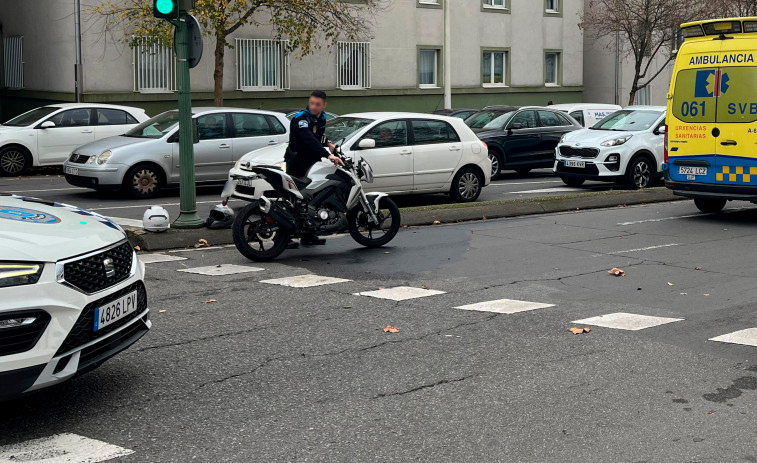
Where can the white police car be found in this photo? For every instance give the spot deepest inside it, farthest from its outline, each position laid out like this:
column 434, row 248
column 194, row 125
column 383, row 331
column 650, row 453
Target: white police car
column 71, row 293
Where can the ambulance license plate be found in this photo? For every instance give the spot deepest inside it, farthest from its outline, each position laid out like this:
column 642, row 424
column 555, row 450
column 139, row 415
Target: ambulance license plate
column 687, row 170
column 578, row 164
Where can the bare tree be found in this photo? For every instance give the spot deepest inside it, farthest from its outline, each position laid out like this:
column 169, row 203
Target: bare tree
column 648, row 27
column 733, row 8
column 308, row 25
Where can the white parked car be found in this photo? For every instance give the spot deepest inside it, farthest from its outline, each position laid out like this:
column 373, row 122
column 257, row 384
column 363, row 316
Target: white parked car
column 587, row 114
column 46, row 136
column 71, row 293
column 413, row 153
column 145, row 159
column 626, row 147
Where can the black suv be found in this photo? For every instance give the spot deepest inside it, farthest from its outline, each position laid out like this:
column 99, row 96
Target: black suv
column 524, row 138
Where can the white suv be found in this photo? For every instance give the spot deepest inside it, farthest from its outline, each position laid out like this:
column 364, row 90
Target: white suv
column 626, row 147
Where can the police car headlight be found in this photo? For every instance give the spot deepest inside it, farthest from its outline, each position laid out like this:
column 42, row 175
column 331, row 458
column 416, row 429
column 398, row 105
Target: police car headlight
column 18, row 273
column 281, row 165
column 103, row 158
column 616, row 141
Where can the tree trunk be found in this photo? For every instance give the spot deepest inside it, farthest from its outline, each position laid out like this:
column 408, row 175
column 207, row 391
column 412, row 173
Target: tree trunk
column 632, row 96
column 218, row 69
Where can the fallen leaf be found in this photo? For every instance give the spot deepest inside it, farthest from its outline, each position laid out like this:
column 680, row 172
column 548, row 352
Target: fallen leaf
column 483, row 218
column 436, row 222
column 209, row 301
column 161, row 311
column 706, row 294
column 575, row 330
column 684, row 294
column 617, row 272
column 387, row 252
column 381, row 287
column 709, row 412
column 670, row 284
column 137, row 248
column 391, row 329
column 424, row 287
column 202, row 243
column 347, row 306
column 698, row 268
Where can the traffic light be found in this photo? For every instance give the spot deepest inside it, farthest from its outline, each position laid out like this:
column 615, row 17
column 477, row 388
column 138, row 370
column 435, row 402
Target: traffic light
column 166, row 9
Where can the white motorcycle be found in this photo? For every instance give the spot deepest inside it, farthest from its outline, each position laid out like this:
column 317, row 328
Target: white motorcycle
column 331, row 200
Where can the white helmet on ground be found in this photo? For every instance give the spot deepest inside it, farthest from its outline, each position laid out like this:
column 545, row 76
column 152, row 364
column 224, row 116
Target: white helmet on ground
column 156, row 219
column 221, row 216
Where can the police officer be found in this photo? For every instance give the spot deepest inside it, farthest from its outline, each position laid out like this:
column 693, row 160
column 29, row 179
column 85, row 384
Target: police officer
column 307, row 139
column 306, row 143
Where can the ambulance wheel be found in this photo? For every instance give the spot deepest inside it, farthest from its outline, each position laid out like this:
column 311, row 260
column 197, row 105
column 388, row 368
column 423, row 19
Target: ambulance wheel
column 710, row 206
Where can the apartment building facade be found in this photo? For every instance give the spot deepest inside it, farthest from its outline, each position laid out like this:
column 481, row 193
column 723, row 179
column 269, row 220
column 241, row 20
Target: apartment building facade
column 502, row 52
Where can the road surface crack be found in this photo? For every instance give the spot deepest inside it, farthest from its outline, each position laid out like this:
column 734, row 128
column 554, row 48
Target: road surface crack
column 425, row 386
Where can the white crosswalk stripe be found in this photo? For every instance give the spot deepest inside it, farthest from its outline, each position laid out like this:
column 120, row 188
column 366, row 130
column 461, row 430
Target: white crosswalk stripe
column 158, row 257
column 505, row 306
column 129, row 223
column 400, row 293
column 305, row 281
column 747, row 337
column 61, row 448
column 221, row 270
column 626, row 321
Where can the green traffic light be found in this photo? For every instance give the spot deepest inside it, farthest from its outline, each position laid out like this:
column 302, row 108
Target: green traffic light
column 165, row 6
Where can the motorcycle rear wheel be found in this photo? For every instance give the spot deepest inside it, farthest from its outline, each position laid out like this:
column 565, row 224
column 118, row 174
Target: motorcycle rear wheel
column 368, row 233
column 253, row 236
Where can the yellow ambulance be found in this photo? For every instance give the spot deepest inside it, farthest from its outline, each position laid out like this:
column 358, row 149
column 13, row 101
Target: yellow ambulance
column 711, row 146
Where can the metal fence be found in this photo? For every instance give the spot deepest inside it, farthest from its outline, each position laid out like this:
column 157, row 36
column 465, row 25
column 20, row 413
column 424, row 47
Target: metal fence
column 353, row 65
column 13, row 62
column 262, row 64
column 154, row 66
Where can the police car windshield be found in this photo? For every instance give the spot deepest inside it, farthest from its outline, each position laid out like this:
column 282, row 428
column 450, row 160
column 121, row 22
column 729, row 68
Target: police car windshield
column 155, row 127
column 628, row 121
column 342, row 128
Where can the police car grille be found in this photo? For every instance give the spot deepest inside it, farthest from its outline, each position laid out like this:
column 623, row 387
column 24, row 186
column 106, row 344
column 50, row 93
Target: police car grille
column 88, row 274
column 22, row 338
column 83, row 330
column 571, row 152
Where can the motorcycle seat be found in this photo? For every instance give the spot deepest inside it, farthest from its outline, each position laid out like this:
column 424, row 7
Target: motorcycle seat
column 301, row 182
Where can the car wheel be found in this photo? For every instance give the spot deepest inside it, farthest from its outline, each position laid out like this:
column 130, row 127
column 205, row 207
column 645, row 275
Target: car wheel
column 708, row 205
column 14, row 161
column 466, row 185
column 570, row 181
column 639, row 173
column 143, row 181
column 522, row 171
column 496, row 160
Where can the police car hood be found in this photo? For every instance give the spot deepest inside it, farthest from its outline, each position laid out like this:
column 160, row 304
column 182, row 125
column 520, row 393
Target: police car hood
column 40, row 231
column 591, row 137
column 267, row 156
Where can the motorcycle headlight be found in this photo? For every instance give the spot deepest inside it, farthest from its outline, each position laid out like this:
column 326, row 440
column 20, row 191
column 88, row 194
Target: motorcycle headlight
column 18, row 273
column 103, row 157
column 616, row 141
column 281, row 165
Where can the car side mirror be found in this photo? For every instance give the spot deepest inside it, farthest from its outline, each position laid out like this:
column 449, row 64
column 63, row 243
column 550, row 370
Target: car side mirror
column 367, row 144
column 47, row 125
column 660, row 130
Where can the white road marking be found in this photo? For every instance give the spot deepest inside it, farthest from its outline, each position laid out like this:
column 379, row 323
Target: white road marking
column 209, row 248
column 61, row 448
column 124, row 222
column 43, row 191
column 565, row 189
column 223, row 269
column 626, row 321
column 145, row 206
column 747, row 337
column 524, row 183
column 305, row 281
column 648, row 248
column 507, row 306
column 158, row 257
column 400, row 293
column 661, row 219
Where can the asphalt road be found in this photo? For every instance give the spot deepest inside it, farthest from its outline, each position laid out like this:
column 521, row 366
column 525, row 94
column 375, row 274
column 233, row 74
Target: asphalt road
column 50, row 184
column 273, row 373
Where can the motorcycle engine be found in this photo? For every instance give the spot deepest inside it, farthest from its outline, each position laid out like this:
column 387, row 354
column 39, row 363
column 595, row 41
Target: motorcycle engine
column 327, row 219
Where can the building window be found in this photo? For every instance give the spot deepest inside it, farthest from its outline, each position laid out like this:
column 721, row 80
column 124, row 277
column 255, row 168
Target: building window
column 13, row 62
column 353, row 65
column 154, row 66
column 552, row 68
column 643, row 97
column 428, row 68
column 552, row 6
column 262, row 64
column 500, row 4
column 430, row 3
column 494, row 68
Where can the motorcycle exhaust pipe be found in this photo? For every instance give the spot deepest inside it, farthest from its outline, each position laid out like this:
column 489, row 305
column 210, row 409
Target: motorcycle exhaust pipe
column 274, row 212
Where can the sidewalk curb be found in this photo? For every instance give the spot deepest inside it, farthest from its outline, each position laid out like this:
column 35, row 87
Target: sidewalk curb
column 428, row 215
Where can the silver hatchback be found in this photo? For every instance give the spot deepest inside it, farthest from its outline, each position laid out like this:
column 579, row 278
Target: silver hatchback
column 146, row 158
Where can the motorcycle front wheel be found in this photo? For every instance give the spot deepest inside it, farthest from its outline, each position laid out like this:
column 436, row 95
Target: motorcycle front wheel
column 369, row 234
column 257, row 236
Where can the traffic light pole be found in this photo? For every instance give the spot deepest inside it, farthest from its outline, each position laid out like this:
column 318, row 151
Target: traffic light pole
column 188, row 217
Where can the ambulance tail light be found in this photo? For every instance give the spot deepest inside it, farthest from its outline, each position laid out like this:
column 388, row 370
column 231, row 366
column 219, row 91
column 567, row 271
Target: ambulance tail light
column 665, row 145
